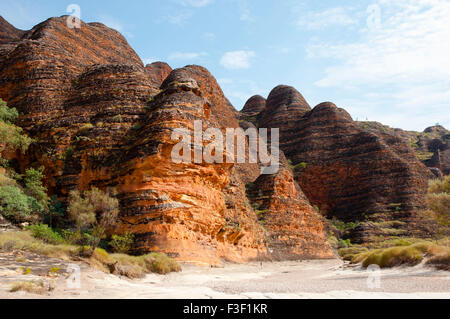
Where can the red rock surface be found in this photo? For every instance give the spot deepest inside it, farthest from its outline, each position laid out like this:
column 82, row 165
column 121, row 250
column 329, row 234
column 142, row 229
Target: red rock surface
column 432, row 146
column 254, row 106
column 283, row 107
column 101, row 119
column 350, row 173
column 158, row 72
column 9, row 33
column 292, row 227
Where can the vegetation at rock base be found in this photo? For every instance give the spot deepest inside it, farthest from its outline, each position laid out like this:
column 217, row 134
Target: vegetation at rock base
column 100, row 259
column 93, row 209
column 24, row 198
column 122, row 244
column 46, row 234
column 20, row 196
column 438, row 200
column 406, row 255
column 32, row 287
column 396, row 251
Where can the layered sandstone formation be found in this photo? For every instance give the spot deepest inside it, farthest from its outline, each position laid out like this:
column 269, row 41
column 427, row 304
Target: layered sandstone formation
column 254, row 106
column 9, row 33
column 350, row 173
column 431, row 146
column 292, row 227
column 158, row 72
column 100, row 118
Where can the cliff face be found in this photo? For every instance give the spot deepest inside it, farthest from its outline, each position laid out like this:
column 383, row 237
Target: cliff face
column 100, row 118
column 350, row 173
column 158, row 72
column 194, row 212
column 293, row 228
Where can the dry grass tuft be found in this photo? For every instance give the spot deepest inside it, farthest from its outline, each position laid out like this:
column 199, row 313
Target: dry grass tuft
column 124, row 265
column 31, row 287
column 439, row 255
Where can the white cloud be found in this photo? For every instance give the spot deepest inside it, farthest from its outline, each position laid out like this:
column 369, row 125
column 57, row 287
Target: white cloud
column 239, row 90
column 179, row 18
column 406, row 57
column 235, row 60
column 332, row 17
column 195, row 3
column 186, row 55
column 244, row 11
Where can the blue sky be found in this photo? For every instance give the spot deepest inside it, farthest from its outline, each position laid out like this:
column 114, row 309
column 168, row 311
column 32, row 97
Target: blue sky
column 381, row 60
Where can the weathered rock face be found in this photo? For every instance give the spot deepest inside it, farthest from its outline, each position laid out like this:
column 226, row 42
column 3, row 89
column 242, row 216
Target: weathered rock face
column 101, row 119
column 350, row 173
column 181, row 209
column 254, row 106
column 158, row 72
column 284, row 105
column 9, row 33
column 292, row 227
column 80, row 90
column 432, row 146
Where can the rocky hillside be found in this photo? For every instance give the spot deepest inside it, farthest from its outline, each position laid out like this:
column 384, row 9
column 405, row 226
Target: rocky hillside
column 353, row 172
column 431, row 146
column 100, row 118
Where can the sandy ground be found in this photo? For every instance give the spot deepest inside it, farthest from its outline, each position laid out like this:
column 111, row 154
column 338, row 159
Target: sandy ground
column 308, row 279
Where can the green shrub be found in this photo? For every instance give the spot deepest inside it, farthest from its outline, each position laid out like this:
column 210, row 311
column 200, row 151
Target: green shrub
column 350, row 252
column 394, row 256
column 11, row 136
column 403, row 255
column 35, row 189
column 122, row 244
column 95, row 210
column 438, row 200
column 46, row 234
column 344, row 243
column 77, row 238
column 14, row 204
column 301, row 166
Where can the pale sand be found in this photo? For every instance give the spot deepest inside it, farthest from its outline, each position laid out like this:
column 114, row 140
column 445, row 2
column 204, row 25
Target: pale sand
column 322, row 279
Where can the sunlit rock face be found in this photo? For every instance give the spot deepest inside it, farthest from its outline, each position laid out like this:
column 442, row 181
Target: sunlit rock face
column 293, row 228
column 100, row 118
column 158, row 72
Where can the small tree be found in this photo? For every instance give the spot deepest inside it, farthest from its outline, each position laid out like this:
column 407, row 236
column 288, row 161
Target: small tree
column 36, row 190
column 93, row 209
column 11, row 136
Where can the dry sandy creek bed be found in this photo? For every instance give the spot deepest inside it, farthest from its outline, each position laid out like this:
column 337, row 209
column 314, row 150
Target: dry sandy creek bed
column 306, row 279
